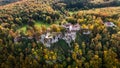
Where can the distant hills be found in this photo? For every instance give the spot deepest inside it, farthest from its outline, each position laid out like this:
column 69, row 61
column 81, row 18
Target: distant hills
column 73, row 3
column 3, row 2
column 90, row 3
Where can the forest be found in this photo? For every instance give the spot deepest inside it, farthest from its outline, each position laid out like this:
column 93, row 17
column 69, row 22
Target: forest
column 60, row 34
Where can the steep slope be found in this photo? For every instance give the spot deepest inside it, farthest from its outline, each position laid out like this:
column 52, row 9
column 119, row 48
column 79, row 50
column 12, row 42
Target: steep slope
column 106, row 11
column 22, row 11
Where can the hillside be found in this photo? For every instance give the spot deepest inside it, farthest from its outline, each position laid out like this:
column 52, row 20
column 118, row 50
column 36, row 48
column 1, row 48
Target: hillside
column 73, row 3
column 21, row 11
column 60, row 34
column 106, row 11
column 90, row 3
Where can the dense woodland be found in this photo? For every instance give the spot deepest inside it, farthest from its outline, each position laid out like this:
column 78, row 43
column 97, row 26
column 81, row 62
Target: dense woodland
column 98, row 49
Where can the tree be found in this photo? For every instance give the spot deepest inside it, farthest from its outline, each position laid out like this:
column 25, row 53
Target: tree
column 71, row 20
column 11, row 61
column 110, row 59
column 43, row 27
column 31, row 22
column 1, row 41
column 95, row 62
column 48, row 20
column 55, row 28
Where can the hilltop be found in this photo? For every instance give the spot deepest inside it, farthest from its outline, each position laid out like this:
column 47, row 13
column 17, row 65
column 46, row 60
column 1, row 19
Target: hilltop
column 4, row 2
column 72, row 3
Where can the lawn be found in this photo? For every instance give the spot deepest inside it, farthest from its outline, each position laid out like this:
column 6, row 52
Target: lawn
column 72, row 12
column 40, row 23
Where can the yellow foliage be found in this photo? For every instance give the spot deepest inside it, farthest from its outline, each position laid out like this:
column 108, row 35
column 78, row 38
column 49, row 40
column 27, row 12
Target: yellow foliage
column 55, row 28
column 80, row 52
column 105, row 53
column 91, row 27
column 74, row 55
column 80, row 21
column 46, row 57
column 29, row 33
column 54, row 57
column 96, row 56
column 43, row 28
column 45, row 50
column 1, row 27
column 84, row 26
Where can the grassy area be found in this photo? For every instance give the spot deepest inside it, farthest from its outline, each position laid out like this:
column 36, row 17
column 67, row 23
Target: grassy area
column 38, row 24
column 22, row 28
column 72, row 12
